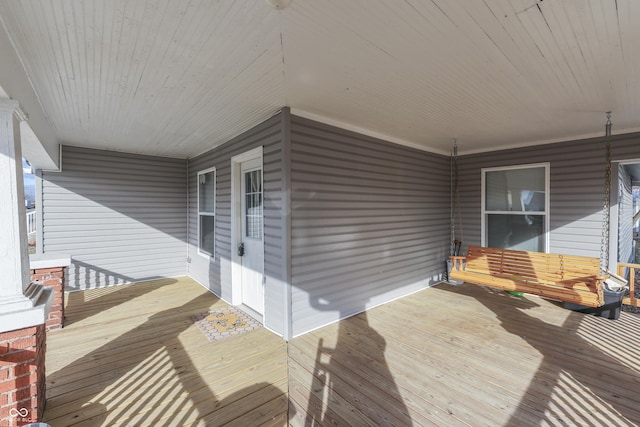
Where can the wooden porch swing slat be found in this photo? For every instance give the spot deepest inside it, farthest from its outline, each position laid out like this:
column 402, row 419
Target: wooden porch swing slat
column 573, row 279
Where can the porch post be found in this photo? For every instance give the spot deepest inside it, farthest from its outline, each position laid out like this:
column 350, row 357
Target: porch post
column 16, row 290
column 23, row 306
column 13, row 253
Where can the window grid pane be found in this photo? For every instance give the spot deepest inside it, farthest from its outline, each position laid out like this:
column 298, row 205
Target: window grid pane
column 206, row 212
column 515, row 190
column 207, row 234
column 206, row 192
column 515, row 210
column 519, row 232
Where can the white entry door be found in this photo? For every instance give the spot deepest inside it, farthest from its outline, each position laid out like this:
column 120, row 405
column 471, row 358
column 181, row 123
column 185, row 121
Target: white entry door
column 252, row 240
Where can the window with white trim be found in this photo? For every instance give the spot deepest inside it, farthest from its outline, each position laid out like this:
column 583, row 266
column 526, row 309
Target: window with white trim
column 207, row 212
column 515, row 207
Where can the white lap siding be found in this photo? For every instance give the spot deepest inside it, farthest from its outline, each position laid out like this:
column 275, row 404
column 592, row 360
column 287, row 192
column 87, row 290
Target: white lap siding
column 215, row 273
column 370, row 222
column 121, row 217
column 577, row 170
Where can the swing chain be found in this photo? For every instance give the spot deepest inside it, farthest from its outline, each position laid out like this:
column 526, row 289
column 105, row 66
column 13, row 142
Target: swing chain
column 604, row 244
column 456, row 213
column 451, row 203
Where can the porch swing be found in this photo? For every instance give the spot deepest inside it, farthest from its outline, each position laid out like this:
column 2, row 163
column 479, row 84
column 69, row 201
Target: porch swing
column 572, row 279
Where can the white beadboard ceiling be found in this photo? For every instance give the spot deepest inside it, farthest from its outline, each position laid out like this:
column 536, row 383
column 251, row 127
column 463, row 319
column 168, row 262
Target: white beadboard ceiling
column 175, row 77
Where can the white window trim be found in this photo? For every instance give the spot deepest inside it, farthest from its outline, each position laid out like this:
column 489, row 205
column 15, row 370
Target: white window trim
column 546, row 213
column 213, row 214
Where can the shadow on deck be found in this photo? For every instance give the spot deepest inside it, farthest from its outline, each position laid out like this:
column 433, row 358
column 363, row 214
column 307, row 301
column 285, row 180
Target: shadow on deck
column 448, row 355
column 468, row 355
column 131, row 356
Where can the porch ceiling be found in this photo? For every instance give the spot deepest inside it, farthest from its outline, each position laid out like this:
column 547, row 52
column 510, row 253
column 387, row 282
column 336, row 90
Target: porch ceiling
column 175, row 77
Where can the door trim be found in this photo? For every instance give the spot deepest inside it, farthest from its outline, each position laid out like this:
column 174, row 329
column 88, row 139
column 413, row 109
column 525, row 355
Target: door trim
column 236, row 226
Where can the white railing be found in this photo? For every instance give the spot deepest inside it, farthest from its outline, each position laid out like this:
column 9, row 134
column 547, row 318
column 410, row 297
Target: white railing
column 632, row 298
column 31, row 222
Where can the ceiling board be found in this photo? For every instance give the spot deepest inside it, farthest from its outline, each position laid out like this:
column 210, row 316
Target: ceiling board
column 175, row 78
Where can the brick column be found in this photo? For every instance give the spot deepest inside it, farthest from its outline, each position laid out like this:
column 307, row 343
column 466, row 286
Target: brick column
column 22, row 375
column 53, row 278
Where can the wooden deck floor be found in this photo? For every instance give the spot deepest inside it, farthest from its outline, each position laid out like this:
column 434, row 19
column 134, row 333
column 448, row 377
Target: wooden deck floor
column 131, row 356
column 467, row 355
column 449, row 355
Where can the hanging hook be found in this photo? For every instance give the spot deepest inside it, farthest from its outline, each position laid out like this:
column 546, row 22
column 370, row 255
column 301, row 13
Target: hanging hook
column 455, row 147
column 607, row 127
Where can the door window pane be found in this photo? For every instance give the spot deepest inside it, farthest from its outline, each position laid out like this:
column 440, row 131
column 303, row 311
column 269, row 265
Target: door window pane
column 253, row 204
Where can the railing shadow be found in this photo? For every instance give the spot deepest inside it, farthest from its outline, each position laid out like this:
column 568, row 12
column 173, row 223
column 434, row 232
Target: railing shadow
column 594, row 374
column 84, row 273
column 352, row 383
column 147, row 356
column 75, row 300
column 633, row 299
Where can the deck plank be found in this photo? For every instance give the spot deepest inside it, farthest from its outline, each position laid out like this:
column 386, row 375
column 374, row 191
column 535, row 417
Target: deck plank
column 445, row 356
column 132, row 356
column 470, row 355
